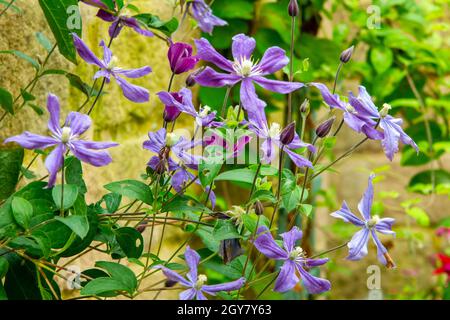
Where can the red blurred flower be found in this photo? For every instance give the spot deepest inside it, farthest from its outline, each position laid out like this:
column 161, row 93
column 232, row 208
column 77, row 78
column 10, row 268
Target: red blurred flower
column 445, row 265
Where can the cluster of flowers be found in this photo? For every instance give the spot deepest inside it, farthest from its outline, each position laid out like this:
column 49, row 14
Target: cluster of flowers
column 173, row 153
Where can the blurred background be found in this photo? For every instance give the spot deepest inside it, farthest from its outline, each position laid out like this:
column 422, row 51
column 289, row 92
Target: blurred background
column 401, row 56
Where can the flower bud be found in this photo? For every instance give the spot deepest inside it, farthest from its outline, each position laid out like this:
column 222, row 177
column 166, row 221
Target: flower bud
column 304, row 108
column 229, row 249
column 325, row 127
column 346, row 54
column 259, row 208
column 169, row 283
column 293, row 8
column 181, row 58
column 288, row 134
column 190, row 80
column 141, row 227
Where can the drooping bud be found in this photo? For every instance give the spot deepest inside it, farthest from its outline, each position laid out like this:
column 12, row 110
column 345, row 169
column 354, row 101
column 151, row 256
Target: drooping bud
column 190, row 80
column 288, row 134
column 170, row 283
column 259, row 208
column 293, row 8
column 304, row 108
column 346, row 54
column 171, row 112
column 230, row 249
column 325, row 127
column 141, row 227
column 385, row 110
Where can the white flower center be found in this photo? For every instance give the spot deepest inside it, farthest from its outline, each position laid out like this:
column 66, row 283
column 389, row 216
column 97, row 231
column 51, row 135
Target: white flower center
column 66, row 134
column 201, row 280
column 172, row 139
column 246, row 67
column 372, row 222
column 385, row 110
column 204, row 112
column 113, row 63
column 236, row 214
column 275, row 130
column 350, row 108
column 298, row 252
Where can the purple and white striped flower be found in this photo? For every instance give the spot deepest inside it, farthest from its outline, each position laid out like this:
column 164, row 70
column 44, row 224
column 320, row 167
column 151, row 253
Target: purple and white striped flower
column 369, row 225
column 392, row 127
column 203, row 118
column 117, row 19
column 67, row 137
column 108, row 69
column 295, row 261
column 203, row 14
column 244, row 70
column 196, row 283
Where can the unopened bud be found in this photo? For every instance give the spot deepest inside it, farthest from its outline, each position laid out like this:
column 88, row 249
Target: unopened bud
column 259, row 208
column 141, row 227
column 293, row 8
column 190, row 80
column 304, row 108
column 346, row 54
column 288, row 134
column 170, row 283
column 325, row 127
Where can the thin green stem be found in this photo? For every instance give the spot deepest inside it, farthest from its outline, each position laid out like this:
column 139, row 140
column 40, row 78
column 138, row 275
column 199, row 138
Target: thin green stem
column 61, row 212
column 280, row 167
column 7, row 7
column 267, row 286
column 225, row 101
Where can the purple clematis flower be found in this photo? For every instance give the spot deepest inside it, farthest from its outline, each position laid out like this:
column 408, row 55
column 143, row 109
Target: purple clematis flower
column 65, row 138
column 204, row 118
column 202, row 13
column 118, row 21
column 196, row 282
column 180, row 58
column 392, row 127
column 294, row 259
column 171, row 112
column 355, row 117
column 107, row 70
column 369, row 225
column 244, row 70
column 271, row 138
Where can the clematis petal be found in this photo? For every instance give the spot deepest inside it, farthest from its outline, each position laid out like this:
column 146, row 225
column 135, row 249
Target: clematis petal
column 290, row 238
column 133, row 73
column 133, row 92
column 134, row 24
column 228, row 286
column 85, row 53
column 180, row 179
column 365, row 204
column 250, row 101
column 242, row 47
column 54, row 162
column 309, row 263
column 345, row 214
column 287, row 277
column 314, row 285
column 211, row 78
column 105, row 16
column 188, row 294
column 102, row 73
column 381, row 250
column 174, row 276
column 192, row 260
column 330, row 99
column 115, row 28
column 96, row 158
column 297, row 143
column 358, row 245
column 157, row 140
column 298, row 160
column 96, row 3
column 385, row 226
column 277, row 85
column 53, row 108
column 273, row 60
column 266, row 245
column 96, row 145
column 107, row 54
column 268, row 150
column 206, row 52
column 30, row 140
column 202, row 13
column 364, row 104
column 200, row 295
column 78, row 122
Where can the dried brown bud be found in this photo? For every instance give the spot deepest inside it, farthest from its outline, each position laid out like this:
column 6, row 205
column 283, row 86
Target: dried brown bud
column 288, row 134
column 229, row 249
column 293, row 8
column 325, row 127
column 346, row 54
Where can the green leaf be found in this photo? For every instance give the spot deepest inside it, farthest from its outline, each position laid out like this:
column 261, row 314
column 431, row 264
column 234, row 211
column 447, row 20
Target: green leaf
column 102, row 286
column 239, row 9
column 291, row 200
column 20, row 281
column 22, row 211
column 305, row 209
column 112, row 201
column 381, row 58
column 78, row 224
column 44, row 41
column 154, row 22
column 225, row 229
column 237, row 175
column 76, row 82
column 39, row 111
column 120, row 273
column 59, row 17
column 263, row 195
column 131, row 241
column 419, row 215
column 23, row 56
column 251, row 220
column 132, row 189
column 10, row 164
column 74, row 174
column 70, row 195
column 6, row 101
column 208, row 171
column 4, row 264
